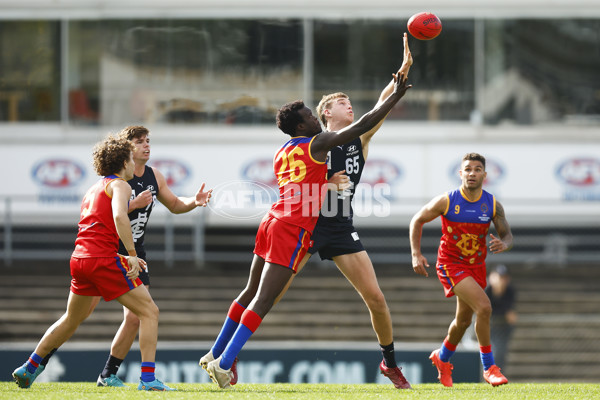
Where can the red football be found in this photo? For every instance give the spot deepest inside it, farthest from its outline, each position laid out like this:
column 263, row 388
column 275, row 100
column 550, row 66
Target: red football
column 424, row 26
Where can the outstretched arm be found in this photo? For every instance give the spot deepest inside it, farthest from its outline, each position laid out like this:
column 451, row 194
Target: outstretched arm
column 406, row 64
column 505, row 242
column 429, row 212
column 327, row 140
column 179, row 205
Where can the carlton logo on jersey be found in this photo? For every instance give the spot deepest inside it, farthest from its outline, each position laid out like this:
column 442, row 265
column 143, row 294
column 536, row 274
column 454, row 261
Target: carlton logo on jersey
column 58, row 173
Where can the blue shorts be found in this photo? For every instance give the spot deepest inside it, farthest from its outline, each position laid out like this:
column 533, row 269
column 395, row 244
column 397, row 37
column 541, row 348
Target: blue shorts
column 334, row 239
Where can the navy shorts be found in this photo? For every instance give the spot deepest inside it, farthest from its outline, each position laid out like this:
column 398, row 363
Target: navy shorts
column 144, row 276
column 335, row 239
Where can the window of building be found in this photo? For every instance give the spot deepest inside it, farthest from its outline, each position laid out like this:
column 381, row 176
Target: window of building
column 30, row 71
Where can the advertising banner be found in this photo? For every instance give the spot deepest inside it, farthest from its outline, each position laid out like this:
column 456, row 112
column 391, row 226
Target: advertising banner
column 336, row 362
column 531, row 179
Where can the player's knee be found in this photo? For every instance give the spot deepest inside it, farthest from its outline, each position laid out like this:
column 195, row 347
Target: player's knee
column 150, row 311
column 132, row 320
column 155, row 312
column 462, row 323
column 72, row 321
column 485, row 310
column 376, row 303
column 246, row 296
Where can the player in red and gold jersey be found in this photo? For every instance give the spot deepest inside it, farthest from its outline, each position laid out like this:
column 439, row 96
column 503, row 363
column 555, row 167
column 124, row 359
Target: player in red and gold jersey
column 284, row 234
column 466, row 217
column 97, row 269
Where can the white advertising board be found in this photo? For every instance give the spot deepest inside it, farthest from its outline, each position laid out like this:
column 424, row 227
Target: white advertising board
column 535, row 181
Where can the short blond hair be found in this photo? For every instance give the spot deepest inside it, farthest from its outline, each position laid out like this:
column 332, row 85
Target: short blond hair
column 325, row 104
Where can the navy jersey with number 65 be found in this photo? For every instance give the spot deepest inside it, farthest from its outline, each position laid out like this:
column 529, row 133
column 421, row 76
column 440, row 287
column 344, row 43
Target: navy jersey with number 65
column 348, row 157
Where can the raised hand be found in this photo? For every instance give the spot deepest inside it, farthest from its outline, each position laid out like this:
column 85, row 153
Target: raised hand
column 202, row 197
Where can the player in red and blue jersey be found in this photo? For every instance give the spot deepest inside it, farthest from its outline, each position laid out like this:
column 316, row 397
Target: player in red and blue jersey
column 284, row 233
column 335, row 237
column 98, row 270
column 466, row 217
column 147, row 185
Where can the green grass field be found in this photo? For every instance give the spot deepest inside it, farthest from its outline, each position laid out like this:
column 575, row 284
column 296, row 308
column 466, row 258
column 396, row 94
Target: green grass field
column 463, row 391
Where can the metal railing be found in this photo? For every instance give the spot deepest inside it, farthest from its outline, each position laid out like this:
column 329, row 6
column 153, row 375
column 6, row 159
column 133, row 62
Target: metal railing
column 52, row 239
column 193, row 239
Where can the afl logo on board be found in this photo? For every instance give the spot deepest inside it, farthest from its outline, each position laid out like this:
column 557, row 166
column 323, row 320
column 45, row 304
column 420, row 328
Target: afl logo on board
column 58, row 173
column 260, row 171
column 175, row 172
column 581, row 172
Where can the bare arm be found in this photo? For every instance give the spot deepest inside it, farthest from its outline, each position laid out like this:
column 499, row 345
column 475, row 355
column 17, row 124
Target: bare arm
column 428, row 213
column 121, row 192
column 327, row 140
column 406, row 64
column 179, row 205
column 505, row 242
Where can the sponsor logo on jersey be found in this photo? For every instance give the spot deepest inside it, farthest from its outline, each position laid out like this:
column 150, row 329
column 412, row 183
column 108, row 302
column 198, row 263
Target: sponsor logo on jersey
column 174, row 171
column 58, row 173
column 580, row 172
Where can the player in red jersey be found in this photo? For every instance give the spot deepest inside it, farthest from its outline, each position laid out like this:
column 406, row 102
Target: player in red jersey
column 284, row 234
column 334, row 236
column 147, row 185
column 466, row 217
column 97, row 269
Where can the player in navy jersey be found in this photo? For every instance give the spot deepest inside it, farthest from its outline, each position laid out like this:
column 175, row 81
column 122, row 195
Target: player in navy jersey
column 147, row 184
column 335, row 237
column 467, row 213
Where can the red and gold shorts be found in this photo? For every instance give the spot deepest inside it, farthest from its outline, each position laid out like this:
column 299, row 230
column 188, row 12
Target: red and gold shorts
column 281, row 243
column 451, row 274
column 102, row 276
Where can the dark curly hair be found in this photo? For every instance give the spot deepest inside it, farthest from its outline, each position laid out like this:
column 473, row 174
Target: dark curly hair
column 288, row 117
column 474, row 157
column 133, row 132
column 111, row 154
